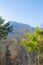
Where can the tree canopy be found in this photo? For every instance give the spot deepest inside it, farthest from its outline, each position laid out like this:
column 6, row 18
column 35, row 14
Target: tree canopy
column 34, row 42
column 5, row 28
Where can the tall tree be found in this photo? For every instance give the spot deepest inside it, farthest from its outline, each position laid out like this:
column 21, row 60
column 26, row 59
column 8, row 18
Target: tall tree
column 5, row 28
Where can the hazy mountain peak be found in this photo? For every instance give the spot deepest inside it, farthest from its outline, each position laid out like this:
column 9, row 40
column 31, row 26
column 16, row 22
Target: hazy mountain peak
column 20, row 29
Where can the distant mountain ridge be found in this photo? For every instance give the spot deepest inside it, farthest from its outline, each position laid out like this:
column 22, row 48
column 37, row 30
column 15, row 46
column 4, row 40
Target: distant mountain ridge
column 20, row 29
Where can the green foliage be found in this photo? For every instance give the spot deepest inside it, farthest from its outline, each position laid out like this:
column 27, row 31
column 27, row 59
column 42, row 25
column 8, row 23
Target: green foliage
column 5, row 28
column 33, row 43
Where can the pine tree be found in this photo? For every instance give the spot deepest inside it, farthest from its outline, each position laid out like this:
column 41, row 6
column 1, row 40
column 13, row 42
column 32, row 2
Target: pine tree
column 5, row 28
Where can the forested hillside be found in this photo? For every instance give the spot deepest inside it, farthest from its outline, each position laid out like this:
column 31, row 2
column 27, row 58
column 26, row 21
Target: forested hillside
column 20, row 44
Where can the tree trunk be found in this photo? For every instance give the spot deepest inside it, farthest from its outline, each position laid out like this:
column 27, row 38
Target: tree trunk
column 38, row 58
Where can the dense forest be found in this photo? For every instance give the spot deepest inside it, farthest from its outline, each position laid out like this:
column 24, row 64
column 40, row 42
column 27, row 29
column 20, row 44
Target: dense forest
column 27, row 50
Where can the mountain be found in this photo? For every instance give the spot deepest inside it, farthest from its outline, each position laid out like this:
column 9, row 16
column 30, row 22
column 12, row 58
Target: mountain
column 20, row 29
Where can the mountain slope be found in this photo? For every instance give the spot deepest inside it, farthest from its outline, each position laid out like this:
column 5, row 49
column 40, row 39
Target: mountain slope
column 20, row 29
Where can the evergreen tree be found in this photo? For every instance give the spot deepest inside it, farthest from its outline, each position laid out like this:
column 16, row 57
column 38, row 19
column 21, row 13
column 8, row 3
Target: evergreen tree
column 5, row 28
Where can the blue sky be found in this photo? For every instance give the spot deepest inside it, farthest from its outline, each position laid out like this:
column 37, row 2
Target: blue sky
column 25, row 11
